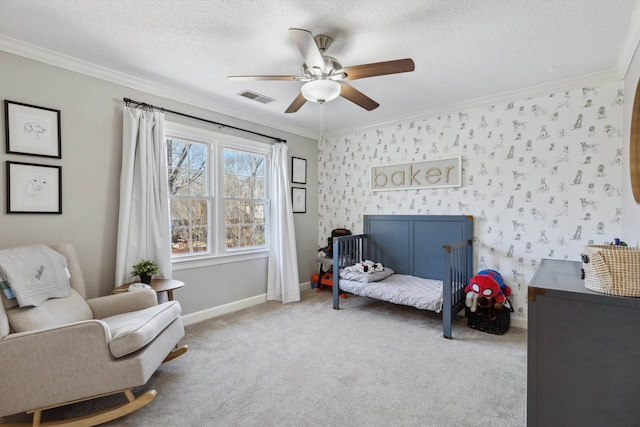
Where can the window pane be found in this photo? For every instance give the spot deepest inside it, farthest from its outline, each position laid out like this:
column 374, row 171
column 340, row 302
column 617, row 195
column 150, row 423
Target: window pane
column 258, row 186
column 200, row 240
column 179, row 240
column 247, row 212
column 230, row 185
column 189, row 226
column 230, row 162
column 176, row 153
column 178, row 181
column 259, row 166
column 200, row 213
column 232, row 213
column 197, row 183
column 233, row 237
column 244, row 189
column 246, row 236
column 259, row 209
column 197, row 157
column 244, row 164
column 260, row 235
column 180, row 213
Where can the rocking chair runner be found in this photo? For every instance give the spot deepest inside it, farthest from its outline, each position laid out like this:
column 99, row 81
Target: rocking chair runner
column 70, row 349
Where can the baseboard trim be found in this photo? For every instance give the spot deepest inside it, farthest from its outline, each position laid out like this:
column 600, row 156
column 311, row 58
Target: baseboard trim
column 210, row 313
column 519, row 322
column 304, row 286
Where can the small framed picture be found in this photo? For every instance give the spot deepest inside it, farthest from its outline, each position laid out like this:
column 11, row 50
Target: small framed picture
column 299, row 200
column 298, row 170
column 32, row 130
column 34, row 188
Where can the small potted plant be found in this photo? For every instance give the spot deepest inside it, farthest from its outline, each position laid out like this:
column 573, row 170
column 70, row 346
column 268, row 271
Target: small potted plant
column 145, row 269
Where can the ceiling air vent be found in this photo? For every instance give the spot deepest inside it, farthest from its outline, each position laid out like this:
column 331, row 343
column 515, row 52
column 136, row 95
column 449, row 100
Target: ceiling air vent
column 256, row 97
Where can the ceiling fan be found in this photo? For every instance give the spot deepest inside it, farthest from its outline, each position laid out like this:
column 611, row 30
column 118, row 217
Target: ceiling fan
column 324, row 75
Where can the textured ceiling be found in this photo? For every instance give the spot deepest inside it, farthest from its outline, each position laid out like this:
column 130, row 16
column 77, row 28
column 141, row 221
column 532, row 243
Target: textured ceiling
column 464, row 50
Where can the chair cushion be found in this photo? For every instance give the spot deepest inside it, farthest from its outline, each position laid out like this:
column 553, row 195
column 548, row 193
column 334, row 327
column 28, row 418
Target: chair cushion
column 132, row 331
column 53, row 312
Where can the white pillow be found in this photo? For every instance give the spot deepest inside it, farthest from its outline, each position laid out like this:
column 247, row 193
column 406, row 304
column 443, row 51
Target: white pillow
column 365, row 277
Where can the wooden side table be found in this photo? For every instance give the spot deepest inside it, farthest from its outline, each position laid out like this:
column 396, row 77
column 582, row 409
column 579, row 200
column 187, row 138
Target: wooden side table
column 158, row 285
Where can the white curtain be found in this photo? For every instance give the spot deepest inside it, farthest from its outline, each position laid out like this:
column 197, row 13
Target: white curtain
column 143, row 226
column 283, row 283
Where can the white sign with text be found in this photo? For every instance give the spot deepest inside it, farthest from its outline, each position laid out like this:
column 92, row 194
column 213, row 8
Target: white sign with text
column 436, row 173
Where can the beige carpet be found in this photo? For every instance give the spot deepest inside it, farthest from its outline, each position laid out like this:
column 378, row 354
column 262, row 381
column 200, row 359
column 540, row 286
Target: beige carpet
column 305, row 364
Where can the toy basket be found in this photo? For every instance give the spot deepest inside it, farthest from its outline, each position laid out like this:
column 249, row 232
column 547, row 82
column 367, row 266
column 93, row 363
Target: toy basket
column 482, row 320
column 612, row 269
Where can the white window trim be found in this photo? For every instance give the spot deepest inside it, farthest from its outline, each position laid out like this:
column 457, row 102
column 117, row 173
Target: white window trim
column 187, row 263
column 219, row 142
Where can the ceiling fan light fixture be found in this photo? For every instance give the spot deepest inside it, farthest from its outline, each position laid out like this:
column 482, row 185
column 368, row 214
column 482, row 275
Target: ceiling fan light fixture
column 321, row 91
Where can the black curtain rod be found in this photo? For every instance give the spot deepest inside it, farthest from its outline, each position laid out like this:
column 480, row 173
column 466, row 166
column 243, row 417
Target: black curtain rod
column 164, row 110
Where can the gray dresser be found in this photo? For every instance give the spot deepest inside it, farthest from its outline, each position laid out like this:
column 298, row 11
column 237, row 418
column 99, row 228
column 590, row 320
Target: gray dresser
column 583, row 366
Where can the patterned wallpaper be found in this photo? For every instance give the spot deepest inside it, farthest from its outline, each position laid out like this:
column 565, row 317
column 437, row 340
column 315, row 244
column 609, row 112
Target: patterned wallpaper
column 541, row 176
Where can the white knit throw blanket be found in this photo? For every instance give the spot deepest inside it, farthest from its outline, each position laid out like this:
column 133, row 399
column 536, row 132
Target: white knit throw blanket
column 35, row 273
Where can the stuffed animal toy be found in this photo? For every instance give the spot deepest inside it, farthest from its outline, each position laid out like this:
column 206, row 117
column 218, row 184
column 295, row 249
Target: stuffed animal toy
column 488, row 284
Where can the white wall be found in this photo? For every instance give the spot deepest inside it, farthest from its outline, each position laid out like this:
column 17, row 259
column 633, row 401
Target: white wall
column 541, row 176
column 91, row 126
column 630, row 208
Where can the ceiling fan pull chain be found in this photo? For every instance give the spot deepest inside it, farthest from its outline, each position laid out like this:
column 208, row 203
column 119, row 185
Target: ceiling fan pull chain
column 321, row 123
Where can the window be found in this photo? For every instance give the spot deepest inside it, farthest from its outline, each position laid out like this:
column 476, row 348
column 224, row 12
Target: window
column 244, row 199
column 189, row 196
column 218, row 193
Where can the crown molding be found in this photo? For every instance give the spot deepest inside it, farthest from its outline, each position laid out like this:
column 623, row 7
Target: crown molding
column 630, row 43
column 530, row 92
column 56, row 59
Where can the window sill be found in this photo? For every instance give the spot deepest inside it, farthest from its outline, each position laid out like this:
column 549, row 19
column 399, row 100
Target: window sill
column 209, row 260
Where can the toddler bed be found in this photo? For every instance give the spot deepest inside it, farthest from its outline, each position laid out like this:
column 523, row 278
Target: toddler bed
column 427, row 259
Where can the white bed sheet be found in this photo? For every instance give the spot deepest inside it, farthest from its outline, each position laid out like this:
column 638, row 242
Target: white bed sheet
column 425, row 294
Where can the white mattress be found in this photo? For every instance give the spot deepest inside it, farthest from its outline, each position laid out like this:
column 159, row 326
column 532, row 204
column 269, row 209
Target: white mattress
column 425, row 294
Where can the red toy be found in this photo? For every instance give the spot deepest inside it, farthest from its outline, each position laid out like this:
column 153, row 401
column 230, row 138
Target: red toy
column 489, row 284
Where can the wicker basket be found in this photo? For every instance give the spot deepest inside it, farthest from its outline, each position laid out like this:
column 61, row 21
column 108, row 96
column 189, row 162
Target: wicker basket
column 612, row 269
column 480, row 319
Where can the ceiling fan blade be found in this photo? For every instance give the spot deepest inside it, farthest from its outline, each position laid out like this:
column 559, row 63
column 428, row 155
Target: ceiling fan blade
column 296, row 104
column 254, row 78
column 307, row 46
column 357, row 97
column 378, row 69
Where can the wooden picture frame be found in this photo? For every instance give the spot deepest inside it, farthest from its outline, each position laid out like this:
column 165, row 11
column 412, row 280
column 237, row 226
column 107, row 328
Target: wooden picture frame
column 299, row 199
column 33, row 188
column 32, row 130
column 298, row 170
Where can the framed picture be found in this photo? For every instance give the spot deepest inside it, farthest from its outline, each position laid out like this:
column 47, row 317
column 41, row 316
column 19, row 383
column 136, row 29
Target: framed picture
column 298, row 170
column 34, row 188
column 299, row 200
column 32, row 130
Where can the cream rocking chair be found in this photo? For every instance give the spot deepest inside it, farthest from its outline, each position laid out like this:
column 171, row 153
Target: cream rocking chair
column 71, row 349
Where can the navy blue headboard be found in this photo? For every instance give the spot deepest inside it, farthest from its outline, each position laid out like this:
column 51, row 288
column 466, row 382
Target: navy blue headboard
column 412, row 244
